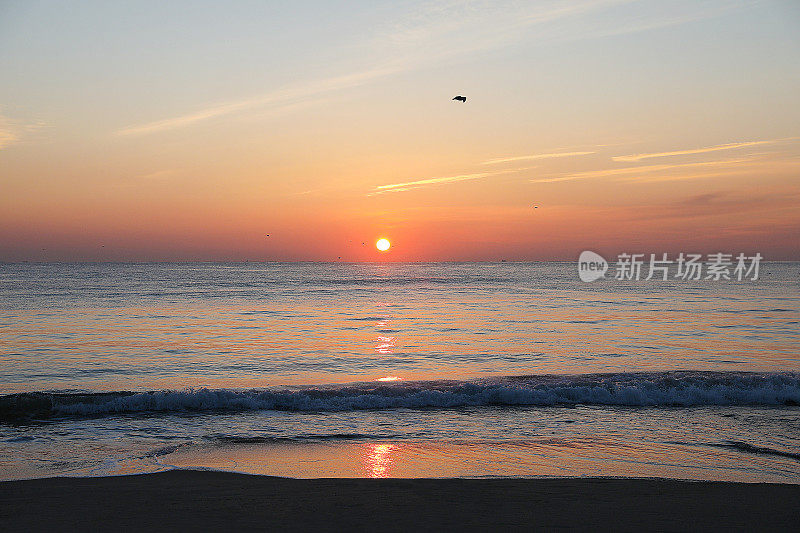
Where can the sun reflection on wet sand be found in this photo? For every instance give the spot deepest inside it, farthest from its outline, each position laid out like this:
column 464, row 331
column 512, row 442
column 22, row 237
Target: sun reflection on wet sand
column 378, row 460
column 545, row 456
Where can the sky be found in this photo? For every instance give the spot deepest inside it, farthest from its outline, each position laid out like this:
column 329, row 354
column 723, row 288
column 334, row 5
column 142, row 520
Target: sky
column 190, row 130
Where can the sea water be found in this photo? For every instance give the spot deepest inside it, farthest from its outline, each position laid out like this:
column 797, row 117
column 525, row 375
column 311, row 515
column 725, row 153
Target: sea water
column 404, row 370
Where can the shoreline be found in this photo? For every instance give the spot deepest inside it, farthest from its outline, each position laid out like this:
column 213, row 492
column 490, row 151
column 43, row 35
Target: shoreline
column 215, row 500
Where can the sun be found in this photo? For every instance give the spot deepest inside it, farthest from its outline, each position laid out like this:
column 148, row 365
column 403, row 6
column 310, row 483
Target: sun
column 383, row 244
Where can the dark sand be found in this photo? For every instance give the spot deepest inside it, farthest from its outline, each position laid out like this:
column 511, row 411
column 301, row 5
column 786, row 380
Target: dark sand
column 184, row 500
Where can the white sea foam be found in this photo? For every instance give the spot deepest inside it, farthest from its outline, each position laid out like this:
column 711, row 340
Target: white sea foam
column 634, row 390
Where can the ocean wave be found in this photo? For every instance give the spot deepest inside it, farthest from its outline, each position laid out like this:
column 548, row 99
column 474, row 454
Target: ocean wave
column 668, row 389
column 263, row 439
column 760, row 450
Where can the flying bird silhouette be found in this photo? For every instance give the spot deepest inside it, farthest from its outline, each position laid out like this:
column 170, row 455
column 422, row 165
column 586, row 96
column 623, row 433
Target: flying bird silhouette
column 460, row 98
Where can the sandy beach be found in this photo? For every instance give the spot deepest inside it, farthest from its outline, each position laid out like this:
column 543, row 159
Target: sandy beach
column 204, row 500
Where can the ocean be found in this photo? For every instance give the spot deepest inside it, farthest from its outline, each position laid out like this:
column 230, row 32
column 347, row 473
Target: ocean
column 397, row 370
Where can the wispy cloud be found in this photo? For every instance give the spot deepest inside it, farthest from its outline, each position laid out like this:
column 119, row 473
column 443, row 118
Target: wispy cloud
column 715, row 204
column 713, row 172
column 287, row 96
column 435, row 181
column 442, row 30
column 641, row 170
column 432, row 33
column 7, row 135
column 716, row 148
column 534, row 156
column 12, row 131
column 159, row 174
column 408, row 185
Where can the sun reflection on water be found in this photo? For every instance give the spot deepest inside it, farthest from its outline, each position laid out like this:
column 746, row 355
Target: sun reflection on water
column 385, row 345
column 378, row 460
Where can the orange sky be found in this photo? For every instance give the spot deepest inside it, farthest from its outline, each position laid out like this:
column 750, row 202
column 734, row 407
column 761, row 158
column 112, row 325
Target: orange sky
column 633, row 127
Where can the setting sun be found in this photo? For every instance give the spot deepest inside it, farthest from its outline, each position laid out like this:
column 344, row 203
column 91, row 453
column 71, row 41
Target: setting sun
column 383, row 244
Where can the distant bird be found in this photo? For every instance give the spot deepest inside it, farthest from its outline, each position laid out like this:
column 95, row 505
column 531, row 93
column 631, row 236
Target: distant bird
column 460, row 98
column 536, row 207
column 267, row 234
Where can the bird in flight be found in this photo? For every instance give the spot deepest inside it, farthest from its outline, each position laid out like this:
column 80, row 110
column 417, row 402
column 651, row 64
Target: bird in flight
column 460, row 98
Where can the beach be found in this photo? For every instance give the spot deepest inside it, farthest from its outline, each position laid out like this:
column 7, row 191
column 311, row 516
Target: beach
column 207, row 501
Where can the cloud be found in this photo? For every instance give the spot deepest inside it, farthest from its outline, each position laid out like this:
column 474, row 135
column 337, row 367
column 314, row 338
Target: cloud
column 435, row 181
column 716, row 204
column 7, row 135
column 12, row 131
column 716, row 148
column 643, row 169
column 534, row 156
column 288, row 96
column 435, row 32
column 159, row 174
column 727, row 172
column 406, row 186
column 443, row 30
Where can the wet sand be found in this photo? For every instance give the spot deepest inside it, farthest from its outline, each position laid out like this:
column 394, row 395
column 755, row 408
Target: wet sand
column 205, row 501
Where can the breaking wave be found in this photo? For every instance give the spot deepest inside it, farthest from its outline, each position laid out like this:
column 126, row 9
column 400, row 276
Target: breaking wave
column 668, row 389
